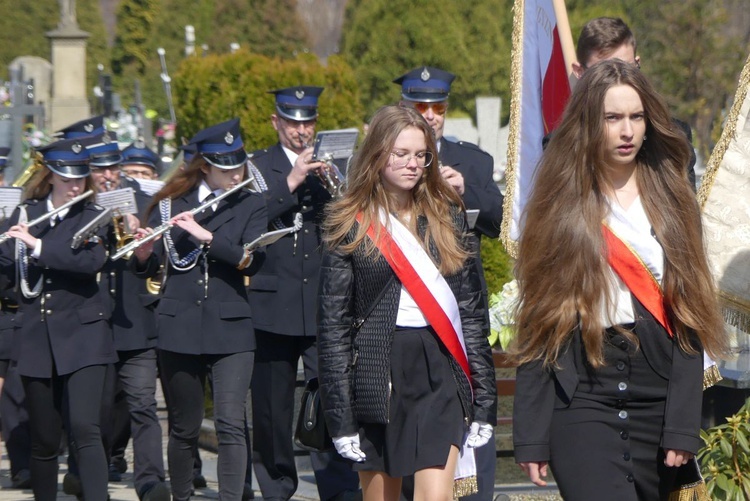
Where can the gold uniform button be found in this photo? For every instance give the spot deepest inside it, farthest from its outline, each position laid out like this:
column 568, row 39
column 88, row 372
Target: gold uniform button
column 47, row 296
column 200, row 281
column 48, row 312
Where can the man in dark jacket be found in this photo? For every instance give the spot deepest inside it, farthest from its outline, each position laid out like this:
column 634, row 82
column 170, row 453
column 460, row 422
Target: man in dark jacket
column 283, row 296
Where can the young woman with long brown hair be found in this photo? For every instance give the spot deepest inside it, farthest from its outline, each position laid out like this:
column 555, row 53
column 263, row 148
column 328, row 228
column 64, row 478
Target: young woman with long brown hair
column 404, row 367
column 617, row 303
column 204, row 321
column 64, row 341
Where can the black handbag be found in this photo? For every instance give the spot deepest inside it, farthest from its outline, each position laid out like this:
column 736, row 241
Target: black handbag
column 312, row 433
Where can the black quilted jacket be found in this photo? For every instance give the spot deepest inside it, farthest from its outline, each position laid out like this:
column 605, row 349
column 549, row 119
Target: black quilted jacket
column 354, row 367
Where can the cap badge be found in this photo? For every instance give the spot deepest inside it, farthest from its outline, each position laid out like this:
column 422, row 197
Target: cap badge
column 88, row 127
column 77, row 148
column 425, row 75
column 140, row 144
column 299, row 94
column 229, row 138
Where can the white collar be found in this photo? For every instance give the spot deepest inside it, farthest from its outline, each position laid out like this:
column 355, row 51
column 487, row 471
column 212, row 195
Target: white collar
column 204, row 191
column 60, row 215
column 292, row 156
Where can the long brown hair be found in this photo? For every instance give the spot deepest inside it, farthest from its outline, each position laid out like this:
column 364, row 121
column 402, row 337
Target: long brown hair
column 431, row 197
column 562, row 269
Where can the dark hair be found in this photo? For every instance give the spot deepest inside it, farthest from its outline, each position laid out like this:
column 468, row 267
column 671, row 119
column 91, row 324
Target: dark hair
column 603, row 35
column 561, row 268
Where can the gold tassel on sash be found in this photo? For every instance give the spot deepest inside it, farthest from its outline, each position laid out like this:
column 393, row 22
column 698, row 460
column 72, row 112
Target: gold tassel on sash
column 465, row 487
column 691, row 492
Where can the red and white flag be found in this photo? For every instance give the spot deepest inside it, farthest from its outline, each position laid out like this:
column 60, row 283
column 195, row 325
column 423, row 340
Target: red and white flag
column 542, row 60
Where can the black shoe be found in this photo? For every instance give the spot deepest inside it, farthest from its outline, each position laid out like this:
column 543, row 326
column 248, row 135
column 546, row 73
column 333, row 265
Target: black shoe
column 199, row 481
column 21, row 480
column 247, row 492
column 114, row 473
column 157, row 492
column 72, row 485
column 120, row 463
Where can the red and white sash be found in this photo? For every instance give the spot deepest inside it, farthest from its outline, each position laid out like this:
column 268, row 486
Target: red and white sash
column 423, row 281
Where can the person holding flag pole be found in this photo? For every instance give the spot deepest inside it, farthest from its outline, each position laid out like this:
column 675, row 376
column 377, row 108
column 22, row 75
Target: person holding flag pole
column 406, row 373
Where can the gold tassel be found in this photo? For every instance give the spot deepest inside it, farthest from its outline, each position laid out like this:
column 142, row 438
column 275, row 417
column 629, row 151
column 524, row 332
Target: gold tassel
column 465, row 487
column 711, row 376
column 691, row 492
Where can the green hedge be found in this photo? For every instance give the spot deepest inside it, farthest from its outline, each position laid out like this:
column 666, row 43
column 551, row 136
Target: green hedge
column 498, row 265
column 214, row 88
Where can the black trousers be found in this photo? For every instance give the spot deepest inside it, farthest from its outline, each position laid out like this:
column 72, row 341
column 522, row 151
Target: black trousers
column 185, row 376
column 82, row 390
column 136, row 382
column 15, row 422
column 276, row 359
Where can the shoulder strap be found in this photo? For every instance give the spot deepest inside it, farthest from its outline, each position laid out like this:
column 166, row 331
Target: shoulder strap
column 361, row 320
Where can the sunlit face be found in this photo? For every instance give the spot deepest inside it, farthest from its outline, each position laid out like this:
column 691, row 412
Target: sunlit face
column 65, row 189
column 106, row 178
column 433, row 113
column 294, row 135
column 137, row 171
column 222, row 179
column 409, row 147
column 624, row 125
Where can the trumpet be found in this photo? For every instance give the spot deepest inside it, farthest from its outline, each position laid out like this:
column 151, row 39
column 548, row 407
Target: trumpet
column 48, row 215
column 163, row 228
column 331, row 176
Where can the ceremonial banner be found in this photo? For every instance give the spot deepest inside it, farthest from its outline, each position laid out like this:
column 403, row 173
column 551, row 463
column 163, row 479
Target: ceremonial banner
column 541, row 69
column 724, row 196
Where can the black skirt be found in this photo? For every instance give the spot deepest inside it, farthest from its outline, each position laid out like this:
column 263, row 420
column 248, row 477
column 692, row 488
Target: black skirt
column 425, row 413
column 606, row 443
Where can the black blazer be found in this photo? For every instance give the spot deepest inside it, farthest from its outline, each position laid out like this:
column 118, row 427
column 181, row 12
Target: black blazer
column 284, row 292
column 66, row 327
column 133, row 321
column 539, row 391
column 201, row 313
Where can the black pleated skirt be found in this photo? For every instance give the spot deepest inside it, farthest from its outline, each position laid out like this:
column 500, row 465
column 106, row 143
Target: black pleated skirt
column 606, row 444
column 425, row 413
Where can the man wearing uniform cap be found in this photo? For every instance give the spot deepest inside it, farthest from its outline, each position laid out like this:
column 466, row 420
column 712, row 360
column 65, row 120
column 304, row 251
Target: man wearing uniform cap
column 139, row 161
column 283, row 295
column 469, row 170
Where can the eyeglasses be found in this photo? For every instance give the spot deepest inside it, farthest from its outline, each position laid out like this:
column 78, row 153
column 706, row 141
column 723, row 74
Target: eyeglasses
column 437, row 108
column 401, row 159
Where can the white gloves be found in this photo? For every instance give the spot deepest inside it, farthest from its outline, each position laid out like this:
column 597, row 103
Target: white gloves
column 348, row 447
column 479, row 434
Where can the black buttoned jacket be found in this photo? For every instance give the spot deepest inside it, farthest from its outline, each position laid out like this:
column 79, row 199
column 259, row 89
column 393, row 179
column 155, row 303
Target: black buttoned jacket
column 201, row 313
column 66, row 327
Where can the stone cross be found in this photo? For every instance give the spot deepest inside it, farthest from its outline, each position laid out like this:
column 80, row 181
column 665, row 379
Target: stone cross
column 68, row 14
column 18, row 114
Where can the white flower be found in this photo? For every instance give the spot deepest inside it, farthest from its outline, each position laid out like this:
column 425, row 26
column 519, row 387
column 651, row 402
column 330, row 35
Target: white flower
column 502, row 308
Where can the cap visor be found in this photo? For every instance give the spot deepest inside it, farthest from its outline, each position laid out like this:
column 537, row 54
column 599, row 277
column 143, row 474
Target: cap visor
column 227, row 161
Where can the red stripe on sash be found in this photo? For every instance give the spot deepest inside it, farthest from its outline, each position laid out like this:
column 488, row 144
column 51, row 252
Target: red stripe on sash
column 420, row 293
column 636, row 276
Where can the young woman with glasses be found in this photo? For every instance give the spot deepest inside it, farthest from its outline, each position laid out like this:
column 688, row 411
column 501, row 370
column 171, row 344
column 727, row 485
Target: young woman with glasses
column 403, row 364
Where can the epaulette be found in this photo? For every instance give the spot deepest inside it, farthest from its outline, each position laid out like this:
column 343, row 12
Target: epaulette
column 258, row 153
column 474, row 147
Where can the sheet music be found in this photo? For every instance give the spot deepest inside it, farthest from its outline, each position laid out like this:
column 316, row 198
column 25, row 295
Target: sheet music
column 268, row 238
column 334, row 144
column 150, row 186
column 10, row 198
column 120, row 201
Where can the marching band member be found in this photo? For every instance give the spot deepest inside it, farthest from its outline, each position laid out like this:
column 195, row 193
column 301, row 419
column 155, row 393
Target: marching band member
column 64, row 339
column 617, row 301
column 404, row 365
column 204, row 321
column 284, row 299
column 134, row 330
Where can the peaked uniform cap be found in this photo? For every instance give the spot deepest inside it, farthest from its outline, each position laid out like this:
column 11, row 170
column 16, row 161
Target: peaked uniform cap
column 221, row 145
column 68, row 157
column 425, row 84
column 298, row 103
column 104, row 151
column 88, row 127
column 137, row 153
